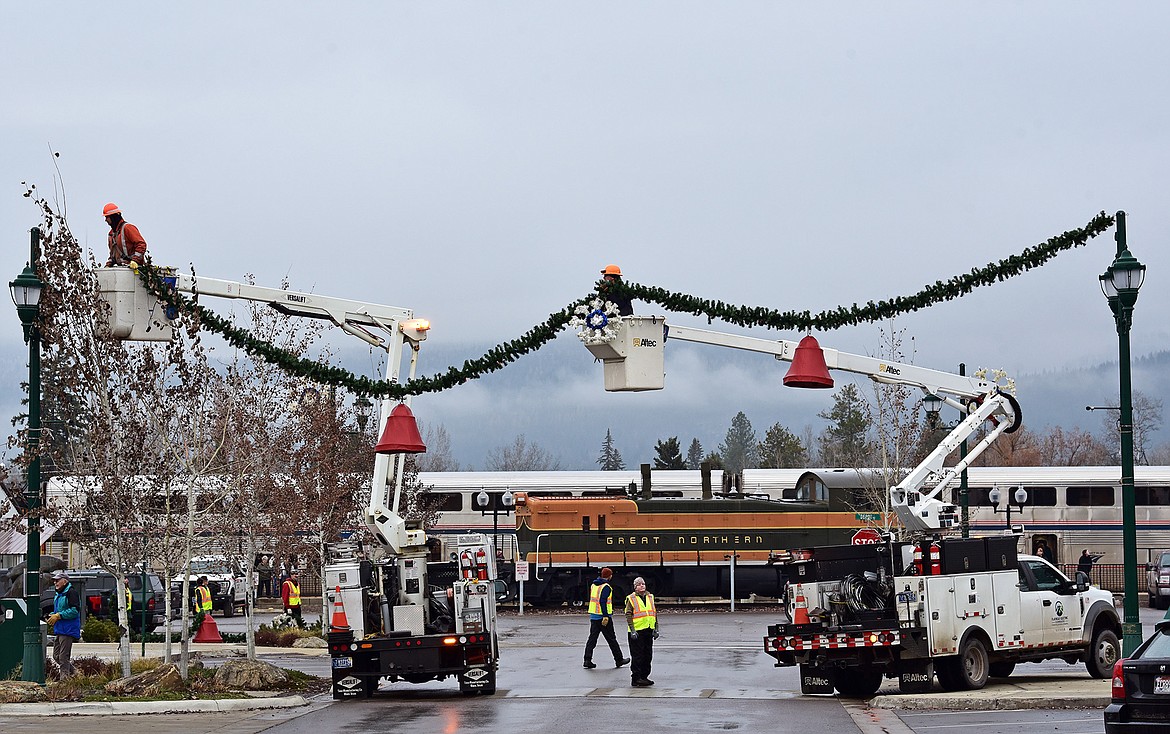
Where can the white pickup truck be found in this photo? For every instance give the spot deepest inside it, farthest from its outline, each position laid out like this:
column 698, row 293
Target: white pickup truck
column 226, row 580
column 861, row 613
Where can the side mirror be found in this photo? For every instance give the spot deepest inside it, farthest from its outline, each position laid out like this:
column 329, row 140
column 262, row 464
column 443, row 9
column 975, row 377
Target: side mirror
column 503, row 591
column 1082, row 581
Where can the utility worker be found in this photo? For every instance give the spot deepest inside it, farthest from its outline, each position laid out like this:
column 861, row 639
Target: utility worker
column 290, row 596
column 601, row 620
column 129, row 596
column 642, row 619
column 613, row 274
column 125, row 241
column 202, row 597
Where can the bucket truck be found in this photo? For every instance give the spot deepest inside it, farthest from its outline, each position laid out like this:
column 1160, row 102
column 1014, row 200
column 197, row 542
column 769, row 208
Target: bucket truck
column 411, row 615
column 961, row 609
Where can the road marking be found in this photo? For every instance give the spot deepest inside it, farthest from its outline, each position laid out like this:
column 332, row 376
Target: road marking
column 875, row 721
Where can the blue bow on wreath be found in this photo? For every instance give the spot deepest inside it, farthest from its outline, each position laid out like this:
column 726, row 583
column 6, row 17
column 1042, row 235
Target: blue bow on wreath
column 591, row 319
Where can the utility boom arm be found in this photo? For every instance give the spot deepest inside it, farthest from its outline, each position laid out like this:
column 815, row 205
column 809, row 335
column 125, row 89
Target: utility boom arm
column 385, row 327
column 917, row 498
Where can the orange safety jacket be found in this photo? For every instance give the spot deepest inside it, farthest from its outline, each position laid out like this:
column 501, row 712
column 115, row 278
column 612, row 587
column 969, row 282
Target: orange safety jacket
column 126, row 244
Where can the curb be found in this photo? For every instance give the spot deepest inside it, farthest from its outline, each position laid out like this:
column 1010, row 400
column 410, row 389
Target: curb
column 106, row 708
column 933, row 702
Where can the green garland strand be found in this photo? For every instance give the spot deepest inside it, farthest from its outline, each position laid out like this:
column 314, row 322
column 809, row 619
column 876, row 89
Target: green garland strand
column 496, row 358
column 504, row 354
column 937, row 292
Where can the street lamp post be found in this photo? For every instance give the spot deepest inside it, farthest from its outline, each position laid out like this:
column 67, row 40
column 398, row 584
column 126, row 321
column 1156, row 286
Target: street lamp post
column 507, row 500
column 1120, row 284
column 362, row 407
column 933, row 404
column 26, row 294
column 1020, row 496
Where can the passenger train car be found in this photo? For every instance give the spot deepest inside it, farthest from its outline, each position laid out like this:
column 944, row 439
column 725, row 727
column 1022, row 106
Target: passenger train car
column 1070, row 508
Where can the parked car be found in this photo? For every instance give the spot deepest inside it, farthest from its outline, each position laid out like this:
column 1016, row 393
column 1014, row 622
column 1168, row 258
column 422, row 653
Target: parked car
column 96, row 588
column 1158, row 581
column 1141, row 687
column 225, row 578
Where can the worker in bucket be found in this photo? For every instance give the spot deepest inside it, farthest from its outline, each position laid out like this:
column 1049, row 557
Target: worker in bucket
column 613, row 274
column 126, row 243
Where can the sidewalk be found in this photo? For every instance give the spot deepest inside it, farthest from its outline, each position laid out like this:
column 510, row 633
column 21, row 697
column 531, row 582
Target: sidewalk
column 1040, row 690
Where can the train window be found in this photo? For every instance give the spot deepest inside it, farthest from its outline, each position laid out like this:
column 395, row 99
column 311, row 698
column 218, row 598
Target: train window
column 1041, row 496
column 1090, row 496
column 1152, row 495
column 449, row 501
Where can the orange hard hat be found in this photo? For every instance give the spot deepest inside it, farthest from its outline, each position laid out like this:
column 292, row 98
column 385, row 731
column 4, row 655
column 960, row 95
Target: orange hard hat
column 110, row 208
column 611, row 270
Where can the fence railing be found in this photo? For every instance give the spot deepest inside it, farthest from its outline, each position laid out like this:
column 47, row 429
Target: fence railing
column 1108, row 576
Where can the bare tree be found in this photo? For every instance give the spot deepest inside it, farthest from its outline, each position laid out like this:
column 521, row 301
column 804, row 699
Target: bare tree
column 438, row 456
column 1072, row 447
column 521, row 455
column 1147, row 420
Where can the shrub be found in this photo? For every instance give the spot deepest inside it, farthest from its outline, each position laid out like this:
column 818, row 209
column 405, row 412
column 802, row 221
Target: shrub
column 100, row 630
column 94, row 667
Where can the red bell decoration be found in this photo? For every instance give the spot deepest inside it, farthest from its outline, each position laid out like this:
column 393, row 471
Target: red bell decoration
column 808, row 366
column 401, row 434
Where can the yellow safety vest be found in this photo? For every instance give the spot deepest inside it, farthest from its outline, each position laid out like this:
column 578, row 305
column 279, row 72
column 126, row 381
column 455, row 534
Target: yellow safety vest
column 129, row 598
column 204, row 595
column 595, row 600
column 294, row 593
column 645, row 616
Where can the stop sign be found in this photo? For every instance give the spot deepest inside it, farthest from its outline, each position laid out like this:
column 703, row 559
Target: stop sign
column 866, row 536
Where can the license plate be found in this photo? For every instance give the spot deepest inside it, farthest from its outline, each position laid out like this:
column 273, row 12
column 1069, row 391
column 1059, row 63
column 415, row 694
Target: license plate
column 1162, row 684
column 342, row 663
column 907, row 597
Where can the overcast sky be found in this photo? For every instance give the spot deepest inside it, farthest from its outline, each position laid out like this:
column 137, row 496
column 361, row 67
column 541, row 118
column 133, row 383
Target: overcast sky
column 480, row 162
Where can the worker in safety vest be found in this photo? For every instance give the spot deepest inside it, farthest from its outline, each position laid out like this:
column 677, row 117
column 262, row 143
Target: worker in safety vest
column 601, row 620
column 202, row 597
column 125, row 241
column 642, row 619
column 290, row 596
column 129, row 596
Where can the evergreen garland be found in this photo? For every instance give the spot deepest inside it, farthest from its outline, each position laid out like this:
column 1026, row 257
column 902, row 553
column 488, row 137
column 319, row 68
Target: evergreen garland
column 937, row 292
column 503, row 354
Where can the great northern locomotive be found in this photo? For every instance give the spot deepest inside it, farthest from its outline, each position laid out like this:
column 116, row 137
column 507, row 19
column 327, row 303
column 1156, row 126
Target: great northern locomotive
column 682, row 547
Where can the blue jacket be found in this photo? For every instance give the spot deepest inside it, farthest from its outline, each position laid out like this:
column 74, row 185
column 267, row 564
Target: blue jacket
column 68, row 604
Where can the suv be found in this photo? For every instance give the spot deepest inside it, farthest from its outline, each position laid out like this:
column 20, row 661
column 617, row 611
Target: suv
column 225, row 578
column 1158, row 581
column 97, row 591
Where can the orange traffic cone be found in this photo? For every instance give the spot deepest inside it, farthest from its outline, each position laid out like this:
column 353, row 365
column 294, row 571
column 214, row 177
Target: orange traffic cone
column 800, row 611
column 208, row 631
column 340, row 622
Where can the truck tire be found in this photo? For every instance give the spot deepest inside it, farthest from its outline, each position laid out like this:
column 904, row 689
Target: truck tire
column 1103, row 653
column 1001, row 669
column 857, row 682
column 229, row 608
column 971, row 665
column 966, row 671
